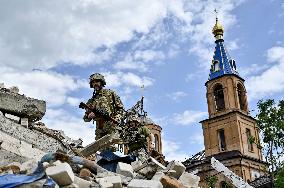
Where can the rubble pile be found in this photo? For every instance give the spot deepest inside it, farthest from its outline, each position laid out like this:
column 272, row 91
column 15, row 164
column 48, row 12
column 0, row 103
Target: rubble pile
column 32, row 155
column 62, row 170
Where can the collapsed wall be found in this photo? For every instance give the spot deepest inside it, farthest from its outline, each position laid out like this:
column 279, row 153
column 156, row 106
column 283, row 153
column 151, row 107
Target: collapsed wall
column 19, row 141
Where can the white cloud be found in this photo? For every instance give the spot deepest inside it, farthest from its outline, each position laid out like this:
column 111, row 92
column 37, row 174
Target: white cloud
column 203, row 21
column 197, row 139
column 73, row 127
column 253, row 69
column 188, row 117
column 270, row 81
column 50, row 86
column 73, row 101
column 127, row 79
column 148, row 55
column 173, row 151
column 37, row 34
column 42, row 35
column 177, row 95
column 129, row 64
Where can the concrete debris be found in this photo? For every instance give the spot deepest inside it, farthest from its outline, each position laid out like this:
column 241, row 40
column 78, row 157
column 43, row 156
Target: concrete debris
column 82, row 183
column 124, row 169
column 29, row 166
column 62, row 174
column 111, row 181
column 145, row 184
column 104, row 183
column 158, row 176
column 189, row 180
column 14, row 89
column 136, row 164
column 178, row 167
column 29, row 149
column 101, row 144
column 19, row 105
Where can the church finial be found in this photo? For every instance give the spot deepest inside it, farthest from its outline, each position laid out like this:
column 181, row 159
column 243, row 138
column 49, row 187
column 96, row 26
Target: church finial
column 218, row 29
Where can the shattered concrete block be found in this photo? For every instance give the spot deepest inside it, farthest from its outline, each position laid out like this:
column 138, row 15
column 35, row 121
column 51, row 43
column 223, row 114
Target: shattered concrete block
column 169, row 182
column 137, row 183
column 136, row 164
column 189, row 180
column 104, row 183
column 124, row 169
column 178, row 167
column 82, row 183
column 12, row 117
column 159, row 165
column 158, row 176
column 29, row 166
column 115, row 180
column 100, row 144
column 170, row 172
column 62, row 174
column 22, row 106
column 14, row 89
column 24, row 122
column 57, row 162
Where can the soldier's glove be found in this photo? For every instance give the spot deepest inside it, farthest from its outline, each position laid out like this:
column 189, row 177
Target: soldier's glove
column 91, row 115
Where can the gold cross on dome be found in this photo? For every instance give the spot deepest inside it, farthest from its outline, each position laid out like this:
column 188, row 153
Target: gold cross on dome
column 216, row 13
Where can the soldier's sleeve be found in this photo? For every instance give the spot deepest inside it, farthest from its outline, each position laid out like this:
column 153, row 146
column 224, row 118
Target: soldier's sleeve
column 85, row 118
column 119, row 108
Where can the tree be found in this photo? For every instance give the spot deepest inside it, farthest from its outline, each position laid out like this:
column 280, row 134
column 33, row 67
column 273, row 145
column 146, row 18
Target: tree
column 270, row 120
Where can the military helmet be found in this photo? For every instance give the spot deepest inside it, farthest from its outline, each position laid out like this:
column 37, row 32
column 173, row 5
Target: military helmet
column 98, row 76
column 135, row 119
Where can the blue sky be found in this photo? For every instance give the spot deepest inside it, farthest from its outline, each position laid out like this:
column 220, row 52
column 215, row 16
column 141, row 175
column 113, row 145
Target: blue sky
column 49, row 48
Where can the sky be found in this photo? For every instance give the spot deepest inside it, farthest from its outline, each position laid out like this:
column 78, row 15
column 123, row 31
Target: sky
column 50, row 48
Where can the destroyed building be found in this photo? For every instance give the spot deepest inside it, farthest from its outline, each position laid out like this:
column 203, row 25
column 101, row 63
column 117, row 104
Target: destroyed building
column 21, row 136
column 32, row 155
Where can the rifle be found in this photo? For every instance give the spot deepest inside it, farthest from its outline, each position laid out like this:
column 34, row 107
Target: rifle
column 97, row 111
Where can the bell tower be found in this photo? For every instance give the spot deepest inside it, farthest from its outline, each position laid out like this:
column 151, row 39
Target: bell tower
column 230, row 134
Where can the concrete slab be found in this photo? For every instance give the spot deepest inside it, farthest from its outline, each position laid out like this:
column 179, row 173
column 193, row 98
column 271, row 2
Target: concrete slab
column 137, row 183
column 22, row 106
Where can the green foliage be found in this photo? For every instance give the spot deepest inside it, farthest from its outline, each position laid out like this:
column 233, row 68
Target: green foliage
column 270, row 120
column 279, row 178
column 251, row 139
column 228, row 185
column 211, row 181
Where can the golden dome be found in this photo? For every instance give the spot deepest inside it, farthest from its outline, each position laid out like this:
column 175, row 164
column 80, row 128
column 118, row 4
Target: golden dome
column 218, row 30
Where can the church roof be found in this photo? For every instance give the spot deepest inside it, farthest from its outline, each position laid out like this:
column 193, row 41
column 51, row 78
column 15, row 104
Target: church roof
column 222, row 63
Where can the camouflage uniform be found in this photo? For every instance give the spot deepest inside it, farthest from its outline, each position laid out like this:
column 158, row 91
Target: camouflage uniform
column 136, row 138
column 110, row 109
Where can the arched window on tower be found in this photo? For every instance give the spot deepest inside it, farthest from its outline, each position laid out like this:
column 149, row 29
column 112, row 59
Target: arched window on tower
column 241, row 96
column 233, row 64
column 156, row 142
column 216, row 65
column 219, row 97
column 223, row 184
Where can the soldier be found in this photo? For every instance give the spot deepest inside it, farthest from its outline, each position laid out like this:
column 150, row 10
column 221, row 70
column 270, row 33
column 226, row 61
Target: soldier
column 105, row 107
column 136, row 134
